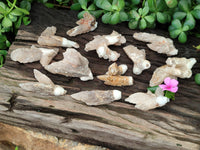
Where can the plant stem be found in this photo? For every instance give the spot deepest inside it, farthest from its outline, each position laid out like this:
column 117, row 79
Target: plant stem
column 13, row 5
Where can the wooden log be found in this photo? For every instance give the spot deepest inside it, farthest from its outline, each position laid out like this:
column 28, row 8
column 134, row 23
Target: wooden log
column 117, row 125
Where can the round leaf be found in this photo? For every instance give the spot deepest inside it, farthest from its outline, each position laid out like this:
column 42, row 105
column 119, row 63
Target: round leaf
column 182, row 37
column 6, row 22
column 2, row 8
column 185, row 28
column 142, row 24
column 96, row 13
column 123, row 16
column 16, row 12
column 135, row 2
column 171, row 3
column 196, row 13
column 133, row 24
column 179, row 15
column 25, row 5
column 119, row 4
column 83, row 4
column 80, row 14
column 185, row 5
column 190, row 21
column 145, row 11
column 12, row 18
column 175, row 33
column 106, row 17
column 134, row 14
column 115, row 18
column 104, row 4
column 176, row 24
column 150, row 19
column 92, row 7
column 161, row 17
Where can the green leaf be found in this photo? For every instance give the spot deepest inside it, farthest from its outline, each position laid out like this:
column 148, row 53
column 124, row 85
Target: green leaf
column 24, row 11
column 16, row 12
column 152, row 89
column 150, row 19
column 169, row 95
column 92, row 7
column 140, row 11
column 176, row 24
column 16, row 148
column 75, row 6
column 171, row 3
column 119, row 4
column 2, row 8
column 12, row 18
column 185, row 5
column 135, row 2
column 1, row 16
column 179, row 15
column 80, row 14
column 3, row 45
column 174, row 33
column 186, row 28
column 25, row 5
column 182, row 37
column 162, row 17
column 96, row 13
column 3, row 52
column 6, row 22
column 142, row 24
column 145, row 11
column 190, row 21
column 152, row 5
column 2, row 38
column 104, row 4
column 83, row 4
column 123, row 16
column 115, row 18
column 18, row 23
column 134, row 14
column 196, row 13
column 49, row 5
column 161, row 5
column 133, row 24
column 26, row 20
column 106, row 17
column 8, row 43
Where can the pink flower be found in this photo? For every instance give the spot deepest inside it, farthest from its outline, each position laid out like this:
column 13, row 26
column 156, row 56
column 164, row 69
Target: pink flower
column 170, row 85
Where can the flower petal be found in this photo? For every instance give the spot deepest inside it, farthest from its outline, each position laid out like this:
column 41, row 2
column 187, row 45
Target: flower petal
column 167, row 81
column 174, row 82
column 174, row 89
column 163, row 87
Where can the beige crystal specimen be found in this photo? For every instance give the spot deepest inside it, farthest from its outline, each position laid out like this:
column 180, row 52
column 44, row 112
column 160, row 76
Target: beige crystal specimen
column 97, row 97
column 114, row 69
column 148, row 101
column 113, row 76
column 86, row 24
column 101, row 43
column 48, row 38
column 28, row 55
column 44, row 85
column 72, row 65
column 116, row 80
column 176, row 67
column 138, row 57
column 159, row 44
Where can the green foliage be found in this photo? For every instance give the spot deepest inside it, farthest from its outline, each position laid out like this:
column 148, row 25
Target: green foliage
column 169, row 95
column 12, row 14
column 197, row 78
column 16, row 148
column 145, row 14
column 152, row 89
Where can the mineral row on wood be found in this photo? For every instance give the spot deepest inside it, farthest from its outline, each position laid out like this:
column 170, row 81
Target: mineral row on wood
column 101, row 43
column 175, row 67
column 29, row 55
column 148, row 101
column 159, row 44
column 86, row 24
column 48, row 38
column 138, row 57
column 113, row 76
column 44, row 85
column 72, row 65
column 97, row 97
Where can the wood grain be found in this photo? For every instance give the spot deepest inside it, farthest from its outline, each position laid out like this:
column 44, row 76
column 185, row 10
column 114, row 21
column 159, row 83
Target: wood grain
column 118, row 125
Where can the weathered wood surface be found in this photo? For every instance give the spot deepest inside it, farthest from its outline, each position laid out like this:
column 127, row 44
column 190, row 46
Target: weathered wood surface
column 118, row 125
